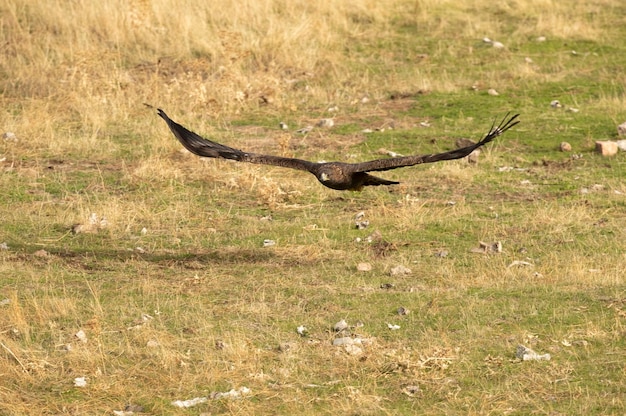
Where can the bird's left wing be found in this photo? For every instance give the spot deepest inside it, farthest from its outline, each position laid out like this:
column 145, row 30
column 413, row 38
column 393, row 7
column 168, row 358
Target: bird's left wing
column 399, row 162
column 203, row 147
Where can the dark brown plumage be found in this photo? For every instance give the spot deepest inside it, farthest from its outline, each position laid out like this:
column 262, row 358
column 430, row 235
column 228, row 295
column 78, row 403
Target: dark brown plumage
column 335, row 175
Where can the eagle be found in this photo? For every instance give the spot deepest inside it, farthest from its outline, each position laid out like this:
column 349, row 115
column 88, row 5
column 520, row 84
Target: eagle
column 335, row 175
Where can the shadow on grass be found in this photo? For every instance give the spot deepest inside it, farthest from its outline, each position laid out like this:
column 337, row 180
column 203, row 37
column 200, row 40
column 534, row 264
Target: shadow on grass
column 88, row 258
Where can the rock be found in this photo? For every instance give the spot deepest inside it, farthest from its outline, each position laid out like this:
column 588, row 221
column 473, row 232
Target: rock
column 621, row 145
column 492, row 91
column 555, row 104
column 269, row 243
column 495, row 247
column 565, row 147
column 9, row 136
column 473, row 157
column 346, row 341
column 80, row 382
column 526, row 354
column 411, row 391
column 400, row 270
column 606, row 147
column 326, row 122
column 364, row 267
column 621, row 129
column 340, row 326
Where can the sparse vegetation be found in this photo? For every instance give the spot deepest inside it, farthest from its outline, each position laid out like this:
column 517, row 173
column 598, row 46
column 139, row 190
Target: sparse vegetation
column 174, row 291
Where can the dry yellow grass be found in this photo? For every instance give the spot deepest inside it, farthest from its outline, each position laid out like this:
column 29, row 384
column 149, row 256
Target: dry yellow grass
column 177, row 296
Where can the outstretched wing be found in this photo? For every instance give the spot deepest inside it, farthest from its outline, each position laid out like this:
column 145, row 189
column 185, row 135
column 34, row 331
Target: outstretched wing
column 399, row 162
column 206, row 148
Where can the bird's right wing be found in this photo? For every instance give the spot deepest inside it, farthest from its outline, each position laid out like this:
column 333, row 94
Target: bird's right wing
column 206, row 148
column 399, row 162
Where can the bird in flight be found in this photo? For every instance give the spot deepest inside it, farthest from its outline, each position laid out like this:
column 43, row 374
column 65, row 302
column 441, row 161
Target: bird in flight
column 335, row 175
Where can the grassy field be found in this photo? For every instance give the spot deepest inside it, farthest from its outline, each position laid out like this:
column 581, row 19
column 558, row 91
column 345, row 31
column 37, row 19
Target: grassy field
column 141, row 269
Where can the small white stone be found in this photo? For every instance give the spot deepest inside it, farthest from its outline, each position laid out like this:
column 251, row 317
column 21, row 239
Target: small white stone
column 82, row 337
column 364, row 267
column 400, row 270
column 341, row 325
column 80, row 382
column 326, row 122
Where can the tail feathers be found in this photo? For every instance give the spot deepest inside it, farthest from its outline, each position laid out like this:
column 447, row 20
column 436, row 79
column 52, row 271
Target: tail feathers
column 199, row 145
column 376, row 181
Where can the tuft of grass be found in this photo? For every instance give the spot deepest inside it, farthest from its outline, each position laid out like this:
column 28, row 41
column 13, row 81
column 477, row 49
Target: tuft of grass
column 168, row 276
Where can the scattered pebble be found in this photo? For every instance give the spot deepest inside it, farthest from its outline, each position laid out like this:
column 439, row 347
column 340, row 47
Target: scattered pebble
column 190, row 402
column 286, row 346
column 305, row 130
column 302, row 331
column 519, row 263
column 565, row 147
column 555, row 104
column 387, row 286
column 232, row 394
column 80, row 382
column 346, row 341
column 5, row 302
column 403, row 311
column 41, row 253
column 527, row 354
column 621, row 129
column 393, row 327
column 353, row 349
column 4, row 246
column 400, row 270
column 411, row 391
column 360, row 222
column 492, row 91
column 269, row 243
column 326, row 123
column 82, row 337
column 495, row 247
column 129, row 410
column 441, row 253
column 364, row 267
column 283, row 126
column 9, row 136
column 340, row 326
column 541, row 39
